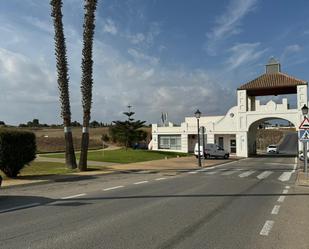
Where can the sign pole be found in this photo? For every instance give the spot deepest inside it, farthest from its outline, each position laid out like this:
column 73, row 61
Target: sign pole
column 305, row 157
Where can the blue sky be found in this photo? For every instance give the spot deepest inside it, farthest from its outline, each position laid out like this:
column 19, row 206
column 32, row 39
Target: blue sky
column 158, row 55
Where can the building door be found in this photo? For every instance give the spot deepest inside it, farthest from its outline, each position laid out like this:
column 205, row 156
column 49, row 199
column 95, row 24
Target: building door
column 221, row 142
column 233, row 145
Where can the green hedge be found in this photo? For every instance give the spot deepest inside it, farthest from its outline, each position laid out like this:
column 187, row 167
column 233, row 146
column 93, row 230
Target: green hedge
column 17, row 148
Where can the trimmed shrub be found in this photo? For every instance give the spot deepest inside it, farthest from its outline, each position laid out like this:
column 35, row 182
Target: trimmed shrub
column 17, row 149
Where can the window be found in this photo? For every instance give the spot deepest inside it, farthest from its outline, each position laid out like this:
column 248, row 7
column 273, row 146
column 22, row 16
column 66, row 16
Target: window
column 170, row 142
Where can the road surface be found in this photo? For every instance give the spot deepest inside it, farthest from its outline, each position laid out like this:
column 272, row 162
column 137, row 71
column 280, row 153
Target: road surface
column 252, row 203
column 289, row 144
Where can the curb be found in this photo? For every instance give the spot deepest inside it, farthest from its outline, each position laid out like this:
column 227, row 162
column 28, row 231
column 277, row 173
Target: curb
column 60, row 178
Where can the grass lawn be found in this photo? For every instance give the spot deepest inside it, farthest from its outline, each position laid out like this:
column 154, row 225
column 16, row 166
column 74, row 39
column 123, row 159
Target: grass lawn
column 42, row 168
column 123, row 156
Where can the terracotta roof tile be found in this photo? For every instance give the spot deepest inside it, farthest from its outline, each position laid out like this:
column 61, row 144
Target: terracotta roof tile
column 272, row 80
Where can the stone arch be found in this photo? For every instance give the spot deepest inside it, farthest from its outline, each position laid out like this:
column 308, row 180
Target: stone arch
column 253, row 126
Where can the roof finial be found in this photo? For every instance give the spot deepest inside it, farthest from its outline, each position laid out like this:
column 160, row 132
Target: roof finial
column 273, row 66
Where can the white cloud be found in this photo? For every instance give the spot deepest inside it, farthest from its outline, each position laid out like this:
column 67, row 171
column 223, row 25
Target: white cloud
column 41, row 24
column 110, row 27
column 28, row 88
column 139, row 56
column 147, row 38
column 291, row 54
column 229, row 22
column 137, row 38
column 243, row 54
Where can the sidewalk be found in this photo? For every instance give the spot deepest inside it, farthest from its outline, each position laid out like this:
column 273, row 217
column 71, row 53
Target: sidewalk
column 170, row 165
column 302, row 179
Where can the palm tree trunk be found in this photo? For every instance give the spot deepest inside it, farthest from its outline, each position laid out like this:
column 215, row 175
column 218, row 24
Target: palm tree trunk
column 87, row 81
column 63, row 81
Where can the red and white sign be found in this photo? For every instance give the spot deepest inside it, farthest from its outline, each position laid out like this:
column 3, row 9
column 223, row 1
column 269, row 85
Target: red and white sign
column 305, row 124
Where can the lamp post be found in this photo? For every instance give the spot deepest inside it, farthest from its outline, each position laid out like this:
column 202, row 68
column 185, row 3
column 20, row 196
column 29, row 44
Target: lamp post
column 198, row 115
column 304, row 110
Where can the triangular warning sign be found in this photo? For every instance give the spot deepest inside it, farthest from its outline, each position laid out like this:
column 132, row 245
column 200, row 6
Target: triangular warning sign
column 305, row 124
column 305, row 136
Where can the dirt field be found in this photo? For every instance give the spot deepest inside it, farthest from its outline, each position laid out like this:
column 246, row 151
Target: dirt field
column 52, row 140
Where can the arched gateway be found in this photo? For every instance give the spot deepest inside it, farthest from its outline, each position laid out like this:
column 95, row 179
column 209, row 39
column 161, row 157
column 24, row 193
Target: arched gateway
column 235, row 131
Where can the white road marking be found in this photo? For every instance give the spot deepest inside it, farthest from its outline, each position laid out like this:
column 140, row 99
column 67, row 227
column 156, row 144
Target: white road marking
column 275, row 209
column 192, row 172
column 287, row 187
column 20, row 207
column 159, row 179
column 72, row 196
column 203, row 169
column 285, row 191
column 281, row 198
column 229, row 172
column 283, row 164
column 285, row 176
column 106, row 189
column 136, row 183
column 295, row 160
column 264, row 175
column 267, row 227
column 247, row 173
column 211, row 172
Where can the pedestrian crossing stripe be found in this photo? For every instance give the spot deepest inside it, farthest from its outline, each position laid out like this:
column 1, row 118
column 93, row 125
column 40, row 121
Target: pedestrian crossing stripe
column 285, row 176
column 304, row 135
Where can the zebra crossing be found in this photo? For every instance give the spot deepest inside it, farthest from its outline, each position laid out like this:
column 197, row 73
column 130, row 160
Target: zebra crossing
column 283, row 176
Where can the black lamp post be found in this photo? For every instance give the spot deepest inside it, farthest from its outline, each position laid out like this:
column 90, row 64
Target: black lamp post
column 203, row 130
column 198, row 115
column 304, row 110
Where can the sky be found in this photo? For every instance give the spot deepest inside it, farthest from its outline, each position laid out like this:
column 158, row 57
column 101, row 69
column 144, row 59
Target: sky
column 158, row 56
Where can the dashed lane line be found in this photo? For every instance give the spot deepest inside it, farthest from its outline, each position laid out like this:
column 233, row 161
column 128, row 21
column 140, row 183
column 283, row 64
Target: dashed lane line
column 20, row 207
column 137, row 183
column 111, row 188
column 281, row 198
column 287, row 187
column 72, row 196
column 275, row 209
column 267, row 228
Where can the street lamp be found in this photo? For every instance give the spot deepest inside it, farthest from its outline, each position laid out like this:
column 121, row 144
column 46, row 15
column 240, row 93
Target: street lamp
column 198, row 115
column 304, row 110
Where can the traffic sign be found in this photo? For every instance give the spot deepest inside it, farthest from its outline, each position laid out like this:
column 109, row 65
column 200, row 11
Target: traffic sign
column 303, row 135
column 305, row 124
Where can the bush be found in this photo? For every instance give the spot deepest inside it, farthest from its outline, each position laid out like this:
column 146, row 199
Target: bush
column 17, row 148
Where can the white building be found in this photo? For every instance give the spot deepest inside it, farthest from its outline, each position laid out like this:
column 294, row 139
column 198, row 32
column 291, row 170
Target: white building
column 236, row 130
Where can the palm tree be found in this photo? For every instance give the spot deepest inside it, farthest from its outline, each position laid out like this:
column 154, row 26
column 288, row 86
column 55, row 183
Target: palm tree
column 87, row 81
column 63, row 81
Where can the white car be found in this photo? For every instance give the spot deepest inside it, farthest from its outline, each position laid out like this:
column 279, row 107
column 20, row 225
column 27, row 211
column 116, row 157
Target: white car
column 272, row 149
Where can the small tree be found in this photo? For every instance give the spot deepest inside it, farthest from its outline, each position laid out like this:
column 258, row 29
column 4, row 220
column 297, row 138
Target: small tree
column 128, row 132
column 17, row 149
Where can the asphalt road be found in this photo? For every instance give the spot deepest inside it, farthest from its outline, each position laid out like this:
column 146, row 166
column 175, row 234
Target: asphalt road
column 289, row 144
column 252, row 203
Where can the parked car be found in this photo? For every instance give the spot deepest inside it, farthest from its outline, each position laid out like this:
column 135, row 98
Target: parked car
column 272, row 149
column 0, row 180
column 211, row 150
